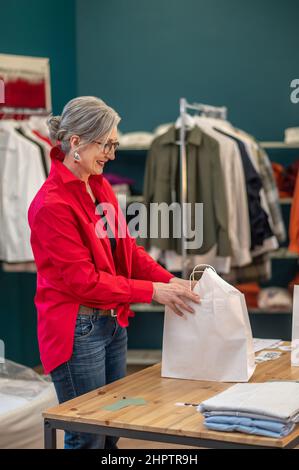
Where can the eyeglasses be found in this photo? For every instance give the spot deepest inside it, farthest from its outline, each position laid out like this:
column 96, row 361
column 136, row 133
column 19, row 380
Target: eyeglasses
column 107, row 147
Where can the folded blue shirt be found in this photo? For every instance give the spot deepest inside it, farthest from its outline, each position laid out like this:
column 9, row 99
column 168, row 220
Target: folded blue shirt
column 249, row 426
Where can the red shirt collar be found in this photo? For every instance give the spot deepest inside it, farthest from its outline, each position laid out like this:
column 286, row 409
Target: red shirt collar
column 57, row 157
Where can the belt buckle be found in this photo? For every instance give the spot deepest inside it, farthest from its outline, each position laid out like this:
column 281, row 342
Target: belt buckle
column 113, row 313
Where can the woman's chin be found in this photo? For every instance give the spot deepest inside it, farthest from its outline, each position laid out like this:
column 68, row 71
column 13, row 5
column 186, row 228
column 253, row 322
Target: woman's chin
column 98, row 171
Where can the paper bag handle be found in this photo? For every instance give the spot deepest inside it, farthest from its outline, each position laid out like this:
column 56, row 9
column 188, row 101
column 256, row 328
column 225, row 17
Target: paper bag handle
column 197, row 270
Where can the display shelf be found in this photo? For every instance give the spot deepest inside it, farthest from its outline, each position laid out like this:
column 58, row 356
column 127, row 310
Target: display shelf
column 160, row 308
column 259, row 311
column 283, row 253
column 264, row 144
column 146, row 357
column 131, row 149
column 147, row 307
column 286, row 200
column 134, row 198
column 279, row 145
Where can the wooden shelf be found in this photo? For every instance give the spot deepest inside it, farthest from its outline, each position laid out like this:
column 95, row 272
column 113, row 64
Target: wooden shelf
column 265, row 144
column 259, row 311
column 160, row 308
column 286, row 200
column 132, row 198
column 132, row 149
column 147, row 308
column 283, row 253
column 279, row 145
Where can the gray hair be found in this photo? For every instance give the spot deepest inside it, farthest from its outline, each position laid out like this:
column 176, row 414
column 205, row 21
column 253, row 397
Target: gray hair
column 86, row 116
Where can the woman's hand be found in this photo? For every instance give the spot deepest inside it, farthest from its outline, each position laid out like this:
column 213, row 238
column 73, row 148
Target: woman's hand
column 175, row 295
column 183, row 282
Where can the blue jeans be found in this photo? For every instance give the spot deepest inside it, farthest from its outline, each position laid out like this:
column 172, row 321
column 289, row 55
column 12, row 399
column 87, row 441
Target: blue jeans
column 99, row 358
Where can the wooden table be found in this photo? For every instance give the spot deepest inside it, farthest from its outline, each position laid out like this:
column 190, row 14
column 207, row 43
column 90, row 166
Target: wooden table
column 160, row 419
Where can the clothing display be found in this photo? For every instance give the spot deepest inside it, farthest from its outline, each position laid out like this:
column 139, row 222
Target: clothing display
column 258, row 270
column 205, row 184
column 290, row 177
column 136, row 140
column 291, row 135
column 251, row 291
column 254, row 408
column 271, row 193
column 23, row 168
column 251, row 224
column 259, row 427
column 27, row 82
column 257, row 401
column 286, row 178
column 274, row 298
column 259, row 225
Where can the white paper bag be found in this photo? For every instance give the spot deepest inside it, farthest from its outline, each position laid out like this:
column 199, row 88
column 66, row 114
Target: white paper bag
column 295, row 329
column 215, row 343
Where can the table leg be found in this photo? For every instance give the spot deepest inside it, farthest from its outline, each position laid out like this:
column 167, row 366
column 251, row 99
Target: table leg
column 49, row 435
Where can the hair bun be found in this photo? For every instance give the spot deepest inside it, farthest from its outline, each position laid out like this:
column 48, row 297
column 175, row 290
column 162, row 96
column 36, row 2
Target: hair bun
column 54, row 128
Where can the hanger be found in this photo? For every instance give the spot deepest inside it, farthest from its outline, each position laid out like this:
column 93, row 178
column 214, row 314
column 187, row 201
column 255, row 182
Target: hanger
column 189, row 121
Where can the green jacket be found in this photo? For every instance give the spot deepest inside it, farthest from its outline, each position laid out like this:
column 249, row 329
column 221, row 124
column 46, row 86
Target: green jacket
column 205, row 185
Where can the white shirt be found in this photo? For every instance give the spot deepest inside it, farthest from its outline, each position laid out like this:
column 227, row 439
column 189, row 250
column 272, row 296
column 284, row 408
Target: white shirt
column 21, row 177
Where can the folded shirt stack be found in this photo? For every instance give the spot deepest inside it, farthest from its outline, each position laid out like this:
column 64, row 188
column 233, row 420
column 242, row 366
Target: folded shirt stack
column 267, row 409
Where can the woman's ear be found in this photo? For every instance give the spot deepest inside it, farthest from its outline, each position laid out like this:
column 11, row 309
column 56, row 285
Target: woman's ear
column 74, row 141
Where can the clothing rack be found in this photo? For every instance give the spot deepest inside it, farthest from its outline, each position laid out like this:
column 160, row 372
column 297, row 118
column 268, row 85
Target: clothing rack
column 207, row 110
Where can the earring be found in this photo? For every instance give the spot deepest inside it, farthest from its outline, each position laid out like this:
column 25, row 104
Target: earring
column 77, row 157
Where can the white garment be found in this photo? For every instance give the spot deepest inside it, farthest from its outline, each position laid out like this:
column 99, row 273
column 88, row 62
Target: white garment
column 46, row 147
column 271, row 400
column 21, row 177
column 291, row 135
column 275, row 298
column 234, row 180
column 39, row 124
column 173, row 261
column 162, row 129
column 251, row 148
column 136, row 140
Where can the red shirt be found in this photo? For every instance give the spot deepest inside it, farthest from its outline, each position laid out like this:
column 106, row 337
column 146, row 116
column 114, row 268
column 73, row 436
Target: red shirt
column 75, row 266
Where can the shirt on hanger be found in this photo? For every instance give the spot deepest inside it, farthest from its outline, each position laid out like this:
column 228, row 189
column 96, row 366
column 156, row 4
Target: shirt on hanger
column 41, row 149
column 259, row 224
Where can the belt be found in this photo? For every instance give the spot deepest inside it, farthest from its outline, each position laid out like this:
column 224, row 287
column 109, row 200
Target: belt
column 96, row 311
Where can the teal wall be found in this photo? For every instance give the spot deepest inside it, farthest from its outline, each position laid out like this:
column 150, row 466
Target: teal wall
column 43, row 29
column 142, row 56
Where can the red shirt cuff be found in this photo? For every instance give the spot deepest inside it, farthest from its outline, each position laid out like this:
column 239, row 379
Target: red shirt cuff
column 141, row 291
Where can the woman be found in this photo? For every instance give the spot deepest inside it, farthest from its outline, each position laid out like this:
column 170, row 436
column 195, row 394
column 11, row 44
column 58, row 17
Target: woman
column 85, row 283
